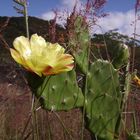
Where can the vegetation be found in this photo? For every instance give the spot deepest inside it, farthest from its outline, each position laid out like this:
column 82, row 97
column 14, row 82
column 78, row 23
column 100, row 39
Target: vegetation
column 99, row 84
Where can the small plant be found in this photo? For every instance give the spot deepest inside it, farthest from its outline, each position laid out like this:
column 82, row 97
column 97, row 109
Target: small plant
column 22, row 9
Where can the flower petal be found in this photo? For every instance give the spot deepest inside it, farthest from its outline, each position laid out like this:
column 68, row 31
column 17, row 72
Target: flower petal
column 59, row 49
column 38, row 44
column 63, row 64
column 22, row 45
column 48, row 70
column 19, row 59
column 16, row 56
column 136, row 79
column 41, row 57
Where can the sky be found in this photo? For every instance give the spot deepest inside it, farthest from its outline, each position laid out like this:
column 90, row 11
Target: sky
column 120, row 12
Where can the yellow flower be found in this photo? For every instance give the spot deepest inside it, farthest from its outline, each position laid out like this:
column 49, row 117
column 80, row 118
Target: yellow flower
column 41, row 57
column 136, row 80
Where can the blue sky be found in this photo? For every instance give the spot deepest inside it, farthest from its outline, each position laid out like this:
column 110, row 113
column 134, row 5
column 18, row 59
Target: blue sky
column 121, row 13
column 119, row 5
column 38, row 7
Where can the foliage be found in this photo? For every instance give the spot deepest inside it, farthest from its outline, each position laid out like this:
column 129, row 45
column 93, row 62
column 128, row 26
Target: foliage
column 62, row 95
column 133, row 136
column 101, row 86
column 103, row 99
column 101, row 95
column 78, row 42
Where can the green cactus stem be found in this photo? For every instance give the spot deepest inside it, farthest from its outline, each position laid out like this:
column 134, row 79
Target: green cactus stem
column 78, row 41
column 103, row 99
column 121, row 55
column 59, row 92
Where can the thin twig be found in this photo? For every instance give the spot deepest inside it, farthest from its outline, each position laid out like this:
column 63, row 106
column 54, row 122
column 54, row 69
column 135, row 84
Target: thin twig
column 58, row 117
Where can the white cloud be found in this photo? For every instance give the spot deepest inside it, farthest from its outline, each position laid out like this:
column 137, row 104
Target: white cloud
column 69, row 4
column 123, row 21
column 64, row 10
column 48, row 15
column 51, row 15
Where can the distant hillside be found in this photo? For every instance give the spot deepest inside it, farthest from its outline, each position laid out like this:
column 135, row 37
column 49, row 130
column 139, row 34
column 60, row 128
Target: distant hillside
column 16, row 27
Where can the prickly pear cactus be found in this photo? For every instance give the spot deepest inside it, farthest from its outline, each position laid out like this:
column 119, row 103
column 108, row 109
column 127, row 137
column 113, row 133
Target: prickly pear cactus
column 121, row 55
column 133, row 136
column 79, row 41
column 103, row 99
column 60, row 92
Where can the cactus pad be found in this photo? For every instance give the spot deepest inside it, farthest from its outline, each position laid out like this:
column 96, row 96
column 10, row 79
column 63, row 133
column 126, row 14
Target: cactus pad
column 60, row 92
column 103, row 99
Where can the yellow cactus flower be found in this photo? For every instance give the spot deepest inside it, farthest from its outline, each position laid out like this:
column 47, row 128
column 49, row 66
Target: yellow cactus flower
column 136, row 80
column 41, row 57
